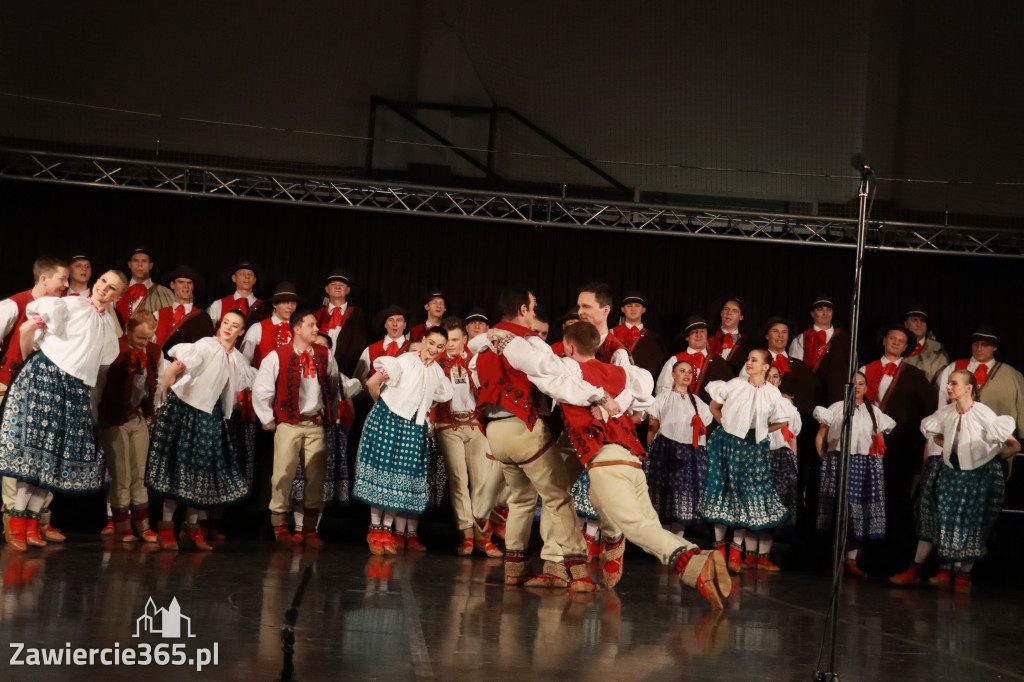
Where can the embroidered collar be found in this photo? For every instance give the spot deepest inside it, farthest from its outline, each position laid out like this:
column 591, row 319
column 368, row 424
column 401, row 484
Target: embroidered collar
column 963, row 412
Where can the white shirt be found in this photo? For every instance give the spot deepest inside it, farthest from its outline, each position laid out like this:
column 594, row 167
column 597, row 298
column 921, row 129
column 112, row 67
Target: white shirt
column 214, row 309
column 463, row 399
column 253, row 337
column 77, row 338
column 982, row 433
column 264, row 388
column 362, row 370
column 665, row 381
column 674, row 412
column 211, row 373
column 620, row 358
column 886, row 382
column 726, row 352
column 861, row 433
column 796, row 346
column 8, row 316
column 745, row 406
column 334, row 331
column 410, row 387
column 944, row 377
column 83, row 293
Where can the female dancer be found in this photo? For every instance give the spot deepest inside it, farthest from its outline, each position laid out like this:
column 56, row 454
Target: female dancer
column 190, row 454
column 391, row 462
column 866, row 488
column 963, row 502
column 676, row 460
column 46, row 436
column 738, row 490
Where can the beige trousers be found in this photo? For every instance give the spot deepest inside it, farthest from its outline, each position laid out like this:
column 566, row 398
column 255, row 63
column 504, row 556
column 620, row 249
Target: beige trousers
column 125, row 448
column 295, row 443
column 529, row 474
column 474, row 480
column 619, row 494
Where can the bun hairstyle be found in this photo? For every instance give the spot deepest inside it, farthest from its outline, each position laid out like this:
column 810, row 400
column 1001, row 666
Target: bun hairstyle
column 968, row 378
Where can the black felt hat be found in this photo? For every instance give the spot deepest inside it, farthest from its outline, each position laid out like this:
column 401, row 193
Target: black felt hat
column 694, row 322
column 184, row 272
column 285, row 291
column 985, row 332
column 477, row 315
column 337, row 275
column 633, row 296
column 916, row 310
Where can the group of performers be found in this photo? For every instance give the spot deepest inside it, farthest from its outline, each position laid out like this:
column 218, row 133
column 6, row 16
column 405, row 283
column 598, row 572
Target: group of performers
column 125, row 377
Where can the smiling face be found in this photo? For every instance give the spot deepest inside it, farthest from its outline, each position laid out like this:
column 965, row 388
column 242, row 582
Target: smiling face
column 590, row 310
column 230, row 328
column 284, row 309
column 306, row 330
column 433, row 345
column 456, row 342
column 141, row 266
column 395, row 326
column 682, row 375
column 777, row 337
column 756, row 365
column 822, row 316
column 55, row 282
column 108, row 288
column 244, row 280
column 731, row 315
column 182, row 288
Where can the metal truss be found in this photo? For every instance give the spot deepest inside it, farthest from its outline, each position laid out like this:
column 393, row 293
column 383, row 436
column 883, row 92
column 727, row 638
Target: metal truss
column 503, row 207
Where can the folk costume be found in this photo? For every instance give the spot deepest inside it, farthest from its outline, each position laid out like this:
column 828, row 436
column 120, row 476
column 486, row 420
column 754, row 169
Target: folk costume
column 346, row 327
column 386, row 347
column 170, row 318
column 1000, row 386
column 236, row 301
column 299, row 392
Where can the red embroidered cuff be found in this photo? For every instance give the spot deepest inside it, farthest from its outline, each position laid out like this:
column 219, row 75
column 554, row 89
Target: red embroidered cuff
column 38, row 320
column 384, row 373
column 499, row 344
column 180, row 365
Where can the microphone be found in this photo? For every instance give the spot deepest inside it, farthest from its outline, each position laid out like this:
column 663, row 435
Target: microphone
column 860, row 164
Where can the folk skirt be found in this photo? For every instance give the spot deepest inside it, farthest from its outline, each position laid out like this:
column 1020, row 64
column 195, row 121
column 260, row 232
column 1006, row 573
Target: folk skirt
column 391, row 462
column 865, row 496
column 675, row 478
column 966, row 504
column 738, row 489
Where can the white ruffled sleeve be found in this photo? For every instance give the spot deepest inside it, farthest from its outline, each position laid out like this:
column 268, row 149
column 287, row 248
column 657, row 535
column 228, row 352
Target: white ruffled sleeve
column 829, row 415
column 885, row 423
column 998, row 430
column 785, row 412
column 719, row 391
column 189, row 354
column 443, row 390
column 54, row 313
column 932, row 425
column 390, row 367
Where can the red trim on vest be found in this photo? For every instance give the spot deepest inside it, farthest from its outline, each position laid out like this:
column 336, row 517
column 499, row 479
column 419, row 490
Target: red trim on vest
column 587, row 434
column 12, row 359
column 272, row 337
column 608, row 348
column 289, row 380
column 165, row 322
column 229, row 303
column 376, row 350
column 323, row 318
column 113, row 407
column 504, row 386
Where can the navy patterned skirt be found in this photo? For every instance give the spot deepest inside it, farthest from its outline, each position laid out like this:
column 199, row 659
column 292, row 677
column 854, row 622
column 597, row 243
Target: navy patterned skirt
column 392, row 462
column 738, row 489
column 783, row 464
column 966, row 505
column 336, row 482
column 46, row 436
column 192, row 456
column 675, row 478
column 927, row 515
column 865, row 496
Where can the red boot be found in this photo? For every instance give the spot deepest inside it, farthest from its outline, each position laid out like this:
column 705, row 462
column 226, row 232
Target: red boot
column 942, row 578
column 123, row 525
column 165, row 536
column 191, row 537
column 765, row 564
column 412, row 542
column 46, row 529
column 16, row 531
column 140, row 524
column 962, row 582
column 735, row 558
column 309, row 523
column 909, row 576
column 32, row 538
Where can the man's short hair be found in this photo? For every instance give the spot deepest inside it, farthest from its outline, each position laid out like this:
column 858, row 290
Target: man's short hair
column 298, row 316
column 601, row 291
column 541, row 315
column 453, row 322
column 584, row 336
column 45, row 265
column 141, row 318
column 511, row 299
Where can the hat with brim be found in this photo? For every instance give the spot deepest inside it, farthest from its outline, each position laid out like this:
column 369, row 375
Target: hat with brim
column 791, row 326
column 77, row 256
column 184, row 272
column 822, row 300
column 477, row 315
column 435, row 293
column 694, row 322
column 285, row 291
column 393, row 309
column 572, row 313
column 911, row 341
column 337, row 276
column 141, row 249
column 246, row 265
column 916, row 311
column 633, row 297
column 986, row 333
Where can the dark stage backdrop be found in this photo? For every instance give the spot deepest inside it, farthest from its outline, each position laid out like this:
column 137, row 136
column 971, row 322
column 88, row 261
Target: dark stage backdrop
column 397, row 259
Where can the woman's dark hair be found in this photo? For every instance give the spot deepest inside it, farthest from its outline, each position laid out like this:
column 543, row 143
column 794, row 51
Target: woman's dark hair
column 970, row 379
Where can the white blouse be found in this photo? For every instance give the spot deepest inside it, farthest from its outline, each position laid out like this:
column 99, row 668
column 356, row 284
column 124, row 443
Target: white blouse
column 982, row 433
column 410, row 386
column 77, row 338
column 211, row 373
column 745, row 406
column 861, row 434
column 776, row 439
column 675, row 413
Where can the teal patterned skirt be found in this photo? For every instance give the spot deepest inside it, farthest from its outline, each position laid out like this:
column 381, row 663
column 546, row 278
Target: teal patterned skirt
column 46, row 436
column 738, row 490
column 192, row 456
column 966, row 505
column 581, row 496
column 391, row 462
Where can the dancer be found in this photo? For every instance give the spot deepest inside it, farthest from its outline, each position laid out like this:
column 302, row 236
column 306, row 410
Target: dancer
column 46, row 441
column 190, row 459
column 824, row 348
column 959, row 510
column 727, row 340
column 183, row 281
column 343, row 322
column 394, row 343
column 264, row 338
column 928, row 355
column 244, row 277
column 866, row 488
column 783, row 461
column 676, row 462
column 391, row 463
column 142, row 293
column 436, row 305
column 1000, row 386
column 738, row 493
column 79, row 274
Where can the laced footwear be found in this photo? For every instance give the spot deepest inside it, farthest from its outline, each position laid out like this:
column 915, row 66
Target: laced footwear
column 555, row 575
column 612, row 558
column 909, row 576
column 482, row 540
column 579, row 574
column 465, row 547
column 517, row 570
column 165, row 535
column 700, row 570
column 46, row 530
column 140, row 525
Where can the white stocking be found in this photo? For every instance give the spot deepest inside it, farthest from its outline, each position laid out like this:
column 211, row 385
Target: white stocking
column 720, row 530
column 169, row 508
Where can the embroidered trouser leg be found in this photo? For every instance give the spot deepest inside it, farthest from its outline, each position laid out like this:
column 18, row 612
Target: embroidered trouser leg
column 619, row 493
column 125, row 448
column 294, row 443
column 532, row 466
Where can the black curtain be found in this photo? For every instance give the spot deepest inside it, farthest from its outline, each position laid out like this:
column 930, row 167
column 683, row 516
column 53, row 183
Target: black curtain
column 396, row 258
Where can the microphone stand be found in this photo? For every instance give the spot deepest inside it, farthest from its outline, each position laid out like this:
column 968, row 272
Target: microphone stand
column 842, row 511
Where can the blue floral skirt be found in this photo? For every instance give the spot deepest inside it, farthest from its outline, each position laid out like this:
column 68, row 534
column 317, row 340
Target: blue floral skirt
column 675, row 478
column 738, row 489
column 192, row 456
column 581, row 496
column 46, row 436
column 865, row 496
column 336, row 482
column 927, row 515
column 966, row 504
column 391, row 462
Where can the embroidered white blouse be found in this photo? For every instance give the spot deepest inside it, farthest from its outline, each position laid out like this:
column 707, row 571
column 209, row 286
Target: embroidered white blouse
column 745, row 406
column 77, row 337
column 211, row 373
column 861, row 434
column 410, row 386
column 981, row 437
column 675, row 413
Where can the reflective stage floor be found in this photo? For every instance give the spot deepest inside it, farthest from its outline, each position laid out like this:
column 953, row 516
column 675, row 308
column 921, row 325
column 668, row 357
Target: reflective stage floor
column 434, row 616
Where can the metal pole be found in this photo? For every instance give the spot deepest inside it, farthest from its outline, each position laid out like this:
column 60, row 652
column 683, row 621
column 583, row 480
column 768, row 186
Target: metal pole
column 842, row 511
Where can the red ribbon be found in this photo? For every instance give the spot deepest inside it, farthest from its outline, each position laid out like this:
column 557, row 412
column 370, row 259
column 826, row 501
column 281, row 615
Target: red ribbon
column 727, row 342
column 877, row 445
column 918, row 347
column 308, row 366
column 284, row 333
column 698, row 429
column 890, row 369
column 782, row 364
column 981, row 374
column 392, row 350
column 179, row 315
column 787, row 435
column 245, row 409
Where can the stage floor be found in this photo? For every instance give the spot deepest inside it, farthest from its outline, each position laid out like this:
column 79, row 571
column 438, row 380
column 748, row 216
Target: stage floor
column 434, row 616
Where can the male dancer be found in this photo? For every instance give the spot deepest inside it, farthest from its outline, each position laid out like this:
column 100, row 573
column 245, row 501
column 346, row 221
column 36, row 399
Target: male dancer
column 436, row 305
column 695, row 331
column 727, row 341
column 477, row 322
column 825, row 349
column 182, row 281
column 394, row 343
column 1000, row 386
column 142, row 293
column 928, row 354
column 244, row 277
column 632, row 330
column 79, row 274
column 272, row 333
column 342, row 322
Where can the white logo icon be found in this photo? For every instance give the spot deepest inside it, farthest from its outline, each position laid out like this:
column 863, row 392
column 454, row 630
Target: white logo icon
column 165, row 622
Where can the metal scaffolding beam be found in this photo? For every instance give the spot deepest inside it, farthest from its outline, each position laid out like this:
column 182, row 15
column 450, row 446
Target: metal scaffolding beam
column 502, row 207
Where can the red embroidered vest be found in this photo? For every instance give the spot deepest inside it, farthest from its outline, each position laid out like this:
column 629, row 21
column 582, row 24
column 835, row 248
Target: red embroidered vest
column 874, row 372
column 504, row 386
column 229, row 303
column 113, row 407
column 587, row 434
column 443, row 411
column 289, row 380
column 272, row 337
column 165, row 322
column 628, row 336
column 323, row 319
column 12, row 359
column 558, row 348
column 608, row 348
column 377, row 349
column 419, row 331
